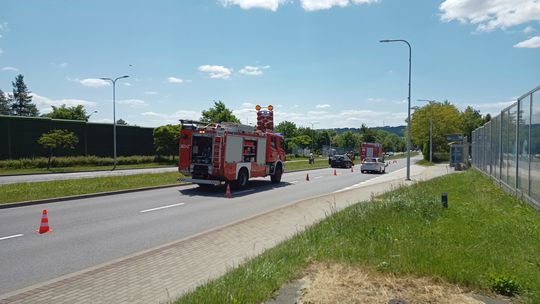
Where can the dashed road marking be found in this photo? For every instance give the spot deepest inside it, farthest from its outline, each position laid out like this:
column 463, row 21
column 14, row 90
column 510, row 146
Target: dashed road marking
column 159, row 208
column 10, row 237
column 318, row 177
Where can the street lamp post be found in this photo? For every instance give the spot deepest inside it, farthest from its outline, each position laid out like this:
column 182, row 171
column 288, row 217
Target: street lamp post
column 113, row 81
column 430, row 129
column 312, row 134
column 408, row 108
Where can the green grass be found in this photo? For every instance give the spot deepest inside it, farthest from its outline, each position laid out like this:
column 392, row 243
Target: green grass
column 41, row 190
column 485, row 233
column 10, row 171
column 424, row 162
column 304, row 165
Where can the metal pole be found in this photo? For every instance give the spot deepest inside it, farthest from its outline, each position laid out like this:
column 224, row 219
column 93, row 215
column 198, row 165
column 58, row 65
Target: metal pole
column 430, row 133
column 113, row 81
column 408, row 178
column 114, row 121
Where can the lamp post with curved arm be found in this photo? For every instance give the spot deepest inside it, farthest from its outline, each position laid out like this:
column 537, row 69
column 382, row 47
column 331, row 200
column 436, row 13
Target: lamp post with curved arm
column 113, row 81
column 408, row 108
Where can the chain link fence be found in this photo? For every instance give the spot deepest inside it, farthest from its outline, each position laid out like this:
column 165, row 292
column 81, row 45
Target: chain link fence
column 507, row 148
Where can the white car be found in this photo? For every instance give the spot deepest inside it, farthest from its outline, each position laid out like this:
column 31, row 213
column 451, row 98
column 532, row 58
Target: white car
column 373, row 164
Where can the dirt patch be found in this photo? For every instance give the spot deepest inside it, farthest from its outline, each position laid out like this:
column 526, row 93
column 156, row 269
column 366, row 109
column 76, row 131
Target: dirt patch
column 334, row 283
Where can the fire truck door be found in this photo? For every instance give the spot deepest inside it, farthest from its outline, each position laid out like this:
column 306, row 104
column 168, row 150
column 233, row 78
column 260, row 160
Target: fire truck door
column 185, row 150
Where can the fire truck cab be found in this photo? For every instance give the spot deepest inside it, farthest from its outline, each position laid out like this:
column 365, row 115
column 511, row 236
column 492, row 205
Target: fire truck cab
column 216, row 153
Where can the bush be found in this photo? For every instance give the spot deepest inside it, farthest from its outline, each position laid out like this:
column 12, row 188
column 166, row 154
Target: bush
column 77, row 161
column 504, row 285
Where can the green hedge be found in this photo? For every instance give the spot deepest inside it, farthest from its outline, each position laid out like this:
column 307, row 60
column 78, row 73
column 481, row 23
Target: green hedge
column 73, row 161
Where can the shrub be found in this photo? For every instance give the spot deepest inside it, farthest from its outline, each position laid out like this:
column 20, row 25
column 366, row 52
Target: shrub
column 504, row 285
column 74, row 161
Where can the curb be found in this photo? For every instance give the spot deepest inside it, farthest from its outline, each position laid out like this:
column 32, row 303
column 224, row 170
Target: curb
column 89, row 195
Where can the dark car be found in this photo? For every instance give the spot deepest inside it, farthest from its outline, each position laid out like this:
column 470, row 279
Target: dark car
column 341, row 161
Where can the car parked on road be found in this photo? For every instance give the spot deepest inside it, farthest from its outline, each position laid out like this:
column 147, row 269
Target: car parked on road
column 341, row 161
column 373, row 164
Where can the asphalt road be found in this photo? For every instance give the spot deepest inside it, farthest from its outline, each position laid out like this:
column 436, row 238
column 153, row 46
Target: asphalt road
column 88, row 232
column 30, row 178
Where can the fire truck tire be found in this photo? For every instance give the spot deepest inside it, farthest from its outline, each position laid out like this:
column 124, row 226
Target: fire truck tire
column 242, row 179
column 276, row 177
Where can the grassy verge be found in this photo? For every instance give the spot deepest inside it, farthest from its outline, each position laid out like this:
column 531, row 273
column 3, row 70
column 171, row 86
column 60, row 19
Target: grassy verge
column 41, row 190
column 10, row 171
column 425, row 163
column 304, row 165
column 484, row 234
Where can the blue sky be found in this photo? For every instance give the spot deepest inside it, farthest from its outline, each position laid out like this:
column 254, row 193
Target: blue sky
column 316, row 61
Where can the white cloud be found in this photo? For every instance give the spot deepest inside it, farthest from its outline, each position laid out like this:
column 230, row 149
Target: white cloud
column 376, row 100
column 127, row 84
column 174, row 80
column 345, row 118
column 489, row 15
column 532, row 43
column 134, row 103
column 272, row 5
column 529, row 29
column 315, row 5
column 44, row 103
column 216, row 71
column 160, row 118
column 10, row 69
column 322, row 106
column 253, row 70
column 150, row 93
column 93, row 82
column 59, row 65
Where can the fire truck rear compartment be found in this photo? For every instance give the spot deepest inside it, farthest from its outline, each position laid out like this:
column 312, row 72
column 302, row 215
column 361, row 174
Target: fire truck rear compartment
column 201, row 151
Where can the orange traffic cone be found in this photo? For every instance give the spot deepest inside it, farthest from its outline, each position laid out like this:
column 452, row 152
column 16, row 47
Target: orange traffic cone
column 44, row 226
column 335, row 173
column 352, row 169
column 307, row 177
column 228, row 193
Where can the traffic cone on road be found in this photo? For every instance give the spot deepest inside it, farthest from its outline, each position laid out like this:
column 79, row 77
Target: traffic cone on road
column 307, row 177
column 352, row 168
column 228, row 193
column 44, row 226
column 335, row 173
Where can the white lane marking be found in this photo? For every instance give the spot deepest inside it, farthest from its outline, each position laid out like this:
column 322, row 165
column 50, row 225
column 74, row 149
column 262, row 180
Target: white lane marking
column 318, row 177
column 159, row 208
column 10, row 237
column 366, row 181
column 294, row 182
column 244, row 191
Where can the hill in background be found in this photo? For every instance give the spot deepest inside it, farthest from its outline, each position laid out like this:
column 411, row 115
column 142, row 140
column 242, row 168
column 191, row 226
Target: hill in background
column 399, row 130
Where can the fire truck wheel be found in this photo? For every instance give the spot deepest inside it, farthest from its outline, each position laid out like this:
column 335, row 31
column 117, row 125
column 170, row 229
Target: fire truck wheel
column 242, row 178
column 276, row 177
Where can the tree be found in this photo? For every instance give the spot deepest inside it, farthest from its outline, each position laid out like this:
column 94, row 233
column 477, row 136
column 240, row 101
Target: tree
column 218, row 113
column 366, row 134
column 471, row 119
column 301, row 141
column 287, row 129
column 446, row 120
column 65, row 112
column 22, row 100
column 347, row 139
column 121, row 122
column 5, row 104
column 167, row 140
column 57, row 139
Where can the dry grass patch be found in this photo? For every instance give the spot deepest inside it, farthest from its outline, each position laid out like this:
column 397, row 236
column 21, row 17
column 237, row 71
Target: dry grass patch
column 336, row 283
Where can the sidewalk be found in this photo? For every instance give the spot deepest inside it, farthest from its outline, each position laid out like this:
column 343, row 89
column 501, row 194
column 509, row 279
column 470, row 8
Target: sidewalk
column 164, row 273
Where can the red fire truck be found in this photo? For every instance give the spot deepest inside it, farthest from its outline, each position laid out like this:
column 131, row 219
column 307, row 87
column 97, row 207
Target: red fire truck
column 216, row 153
column 373, row 150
